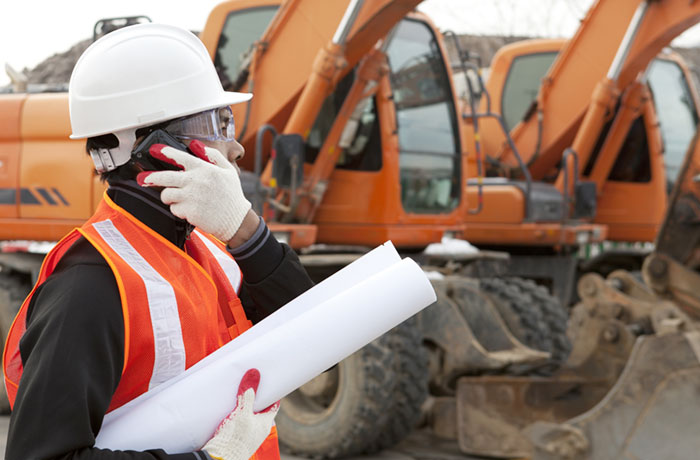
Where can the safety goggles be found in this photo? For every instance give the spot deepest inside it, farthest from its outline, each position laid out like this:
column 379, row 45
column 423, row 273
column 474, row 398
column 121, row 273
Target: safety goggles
column 210, row 125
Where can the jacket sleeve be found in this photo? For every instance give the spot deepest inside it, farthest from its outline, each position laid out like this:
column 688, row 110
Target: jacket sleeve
column 272, row 274
column 72, row 353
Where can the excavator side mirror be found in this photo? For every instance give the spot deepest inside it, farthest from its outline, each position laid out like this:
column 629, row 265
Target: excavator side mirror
column 106, row 25
column 586, row 202
column 288, row 162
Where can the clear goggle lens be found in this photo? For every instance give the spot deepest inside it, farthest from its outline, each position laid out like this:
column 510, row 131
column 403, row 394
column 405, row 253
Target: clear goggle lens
column 210, row 125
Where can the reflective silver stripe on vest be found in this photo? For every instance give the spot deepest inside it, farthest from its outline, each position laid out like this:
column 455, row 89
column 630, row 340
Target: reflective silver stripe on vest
column 230, row 267
column 162, row 303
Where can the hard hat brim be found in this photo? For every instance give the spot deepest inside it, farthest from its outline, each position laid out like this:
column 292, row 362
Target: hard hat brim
column 227, row 98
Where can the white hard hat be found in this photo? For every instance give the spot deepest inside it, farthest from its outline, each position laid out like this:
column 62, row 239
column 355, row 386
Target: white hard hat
column 142, row 75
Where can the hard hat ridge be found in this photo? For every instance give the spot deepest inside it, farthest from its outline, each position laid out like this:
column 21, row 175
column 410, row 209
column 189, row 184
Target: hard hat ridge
column 143, row 75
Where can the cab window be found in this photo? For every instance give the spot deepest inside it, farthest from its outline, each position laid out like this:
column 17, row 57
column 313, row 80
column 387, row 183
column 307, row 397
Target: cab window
column 523, row 84
column 675, row 110
column 429, row 155
column 364, row 151
column 241, row 29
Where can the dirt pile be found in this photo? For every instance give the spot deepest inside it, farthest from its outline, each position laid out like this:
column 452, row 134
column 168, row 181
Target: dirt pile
column 57, row 68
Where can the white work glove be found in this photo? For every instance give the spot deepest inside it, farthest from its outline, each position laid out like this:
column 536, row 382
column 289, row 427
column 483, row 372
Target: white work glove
column 243, row 431
column 207, row 192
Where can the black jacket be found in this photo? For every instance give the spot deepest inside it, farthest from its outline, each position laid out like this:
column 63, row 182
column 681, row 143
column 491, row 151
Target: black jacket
column 73, row 348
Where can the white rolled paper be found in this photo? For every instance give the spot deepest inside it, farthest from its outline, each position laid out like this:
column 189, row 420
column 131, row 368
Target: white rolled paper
column 304, row 338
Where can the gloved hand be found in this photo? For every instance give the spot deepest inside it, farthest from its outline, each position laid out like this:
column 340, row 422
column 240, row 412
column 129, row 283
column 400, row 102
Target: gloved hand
column 243, row 431
column 207, row 192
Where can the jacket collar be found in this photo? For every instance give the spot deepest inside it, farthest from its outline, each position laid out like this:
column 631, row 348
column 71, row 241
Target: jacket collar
column 144, row 204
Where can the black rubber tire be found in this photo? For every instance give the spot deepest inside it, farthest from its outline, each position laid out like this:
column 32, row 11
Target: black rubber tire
column 14, row 288
column 554, row 315
column 346, row 424
column 377, row 401
column 412, row 374
column 519, row 312
column 535, row 318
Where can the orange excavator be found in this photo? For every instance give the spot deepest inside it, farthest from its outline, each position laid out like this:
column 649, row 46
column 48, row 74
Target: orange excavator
column 355, row 136
column 592, row 103
column 645, row 136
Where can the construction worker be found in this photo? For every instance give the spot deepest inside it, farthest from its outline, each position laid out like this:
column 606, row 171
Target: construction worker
column 172, row 265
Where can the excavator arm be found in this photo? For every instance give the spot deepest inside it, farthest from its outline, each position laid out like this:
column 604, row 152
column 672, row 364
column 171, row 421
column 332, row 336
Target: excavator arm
column 312, row 43
column 614, row 45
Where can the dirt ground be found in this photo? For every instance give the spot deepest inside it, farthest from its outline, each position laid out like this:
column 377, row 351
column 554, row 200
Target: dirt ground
column 4, row 425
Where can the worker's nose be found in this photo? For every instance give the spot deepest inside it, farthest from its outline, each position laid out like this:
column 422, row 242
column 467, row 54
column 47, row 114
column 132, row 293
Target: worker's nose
column 232, row 150
column 236, row 151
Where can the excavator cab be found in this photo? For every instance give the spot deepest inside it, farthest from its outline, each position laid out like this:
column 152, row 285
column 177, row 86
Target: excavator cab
column 639, row 158
column 405, row 155
column 519, row 69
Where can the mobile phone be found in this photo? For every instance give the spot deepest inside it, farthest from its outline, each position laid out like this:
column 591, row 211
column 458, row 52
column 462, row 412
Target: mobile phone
column 142, row 158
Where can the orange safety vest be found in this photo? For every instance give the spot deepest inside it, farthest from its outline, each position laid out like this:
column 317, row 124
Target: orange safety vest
column 188, row 297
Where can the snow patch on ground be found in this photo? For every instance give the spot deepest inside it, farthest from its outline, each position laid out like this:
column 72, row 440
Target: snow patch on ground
column 451, row 246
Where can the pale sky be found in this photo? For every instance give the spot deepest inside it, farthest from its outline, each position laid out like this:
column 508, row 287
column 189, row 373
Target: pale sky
column 32, row 30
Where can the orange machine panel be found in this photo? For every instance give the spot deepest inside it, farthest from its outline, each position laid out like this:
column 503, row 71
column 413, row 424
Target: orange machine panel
column 634, row 211
column 56, row 175
column 402, row 236
column 10, row 149
column 503, row 204
column 534, row 234
column 357, row 197
column 364, row 208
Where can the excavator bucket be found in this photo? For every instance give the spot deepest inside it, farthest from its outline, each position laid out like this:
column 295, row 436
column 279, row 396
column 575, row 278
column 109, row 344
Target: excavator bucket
column 631, row 386
column 466, row 323
column 650, row 413
column 632, row 397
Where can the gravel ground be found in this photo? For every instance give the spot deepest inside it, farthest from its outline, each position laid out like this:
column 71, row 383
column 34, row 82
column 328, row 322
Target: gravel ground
column 4, row 425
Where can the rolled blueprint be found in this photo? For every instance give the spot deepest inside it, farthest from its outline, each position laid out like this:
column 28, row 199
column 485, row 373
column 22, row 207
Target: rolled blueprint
column 304, row 338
